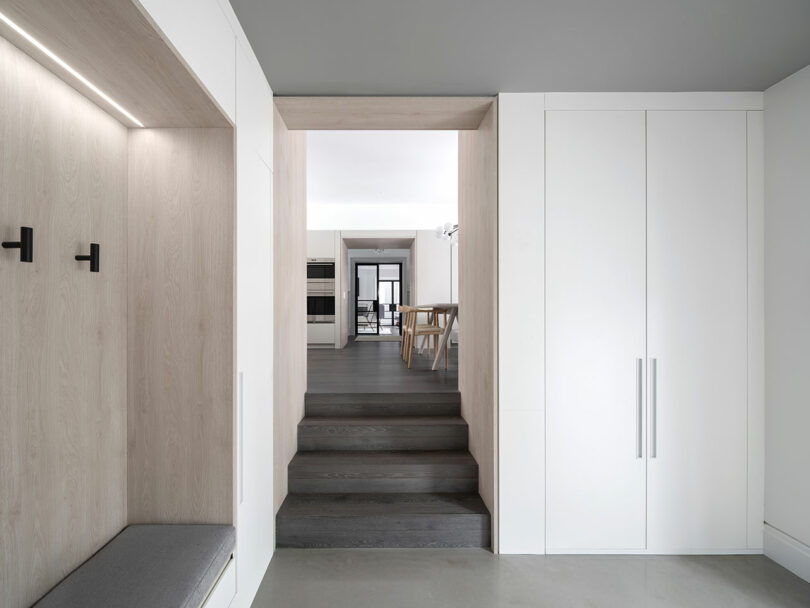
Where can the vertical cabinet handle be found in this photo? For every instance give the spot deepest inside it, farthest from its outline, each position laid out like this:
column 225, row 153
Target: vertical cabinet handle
column 639, row 406
column 653, row 408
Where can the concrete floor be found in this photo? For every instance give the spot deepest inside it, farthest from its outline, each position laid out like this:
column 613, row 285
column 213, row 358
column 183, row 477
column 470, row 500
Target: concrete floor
column 474, row 578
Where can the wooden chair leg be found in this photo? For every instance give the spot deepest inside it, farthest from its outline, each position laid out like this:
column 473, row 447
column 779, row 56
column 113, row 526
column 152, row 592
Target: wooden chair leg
column 445, row 352
column 410, row 353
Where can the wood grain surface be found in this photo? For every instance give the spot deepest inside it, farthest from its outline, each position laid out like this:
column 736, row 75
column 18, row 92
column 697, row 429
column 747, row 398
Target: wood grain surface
column 386, row 113
column 115, row 45
column 289, row 295
column 478, row 299
column 181, row 325
column 62, row 330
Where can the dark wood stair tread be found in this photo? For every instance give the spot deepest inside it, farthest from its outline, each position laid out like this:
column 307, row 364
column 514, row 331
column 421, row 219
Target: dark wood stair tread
column 383, row 458
column 428, row 421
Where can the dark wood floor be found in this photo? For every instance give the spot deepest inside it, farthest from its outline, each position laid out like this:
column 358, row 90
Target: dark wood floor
column 376, row 367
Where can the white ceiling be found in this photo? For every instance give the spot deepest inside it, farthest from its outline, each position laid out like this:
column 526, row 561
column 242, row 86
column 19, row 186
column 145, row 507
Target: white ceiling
column 375, row 180
column 475, row 47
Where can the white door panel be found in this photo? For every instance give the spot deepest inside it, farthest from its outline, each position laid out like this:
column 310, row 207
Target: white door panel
column 697, row 327
column 595, row 329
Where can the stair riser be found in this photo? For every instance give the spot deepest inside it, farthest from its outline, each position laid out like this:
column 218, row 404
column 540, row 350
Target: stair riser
column 350, row 410
column 382, row 485
column 381, row 438
column 390, row 398
column 357, row 533
column 383, row 404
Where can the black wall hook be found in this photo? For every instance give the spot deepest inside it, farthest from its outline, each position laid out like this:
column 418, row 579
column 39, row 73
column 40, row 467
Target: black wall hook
column 93, row 258
column 25, row 244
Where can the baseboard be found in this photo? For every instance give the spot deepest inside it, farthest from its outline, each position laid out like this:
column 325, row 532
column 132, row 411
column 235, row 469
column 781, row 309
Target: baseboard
column 676, row 551
column 787, row 552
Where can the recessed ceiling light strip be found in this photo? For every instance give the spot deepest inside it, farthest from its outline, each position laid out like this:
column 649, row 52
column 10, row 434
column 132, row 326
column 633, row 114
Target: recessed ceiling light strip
column 68, row 68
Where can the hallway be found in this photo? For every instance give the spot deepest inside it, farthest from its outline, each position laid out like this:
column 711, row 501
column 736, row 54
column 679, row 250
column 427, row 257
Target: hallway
column 375, row 367
column 474, row 578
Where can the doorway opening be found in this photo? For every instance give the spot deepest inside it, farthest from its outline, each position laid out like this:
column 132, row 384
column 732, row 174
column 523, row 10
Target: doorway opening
column 431, row 411
column 378, row 295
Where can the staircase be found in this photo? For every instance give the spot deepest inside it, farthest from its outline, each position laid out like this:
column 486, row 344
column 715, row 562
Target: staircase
column 383, row 470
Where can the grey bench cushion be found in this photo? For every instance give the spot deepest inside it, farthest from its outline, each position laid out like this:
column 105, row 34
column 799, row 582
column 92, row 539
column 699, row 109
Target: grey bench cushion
column 154, row 566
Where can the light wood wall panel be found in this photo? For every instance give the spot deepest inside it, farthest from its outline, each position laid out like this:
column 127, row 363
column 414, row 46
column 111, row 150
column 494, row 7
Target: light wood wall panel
column 385, row 113
column 181, row 326
column 62, row 330
column 115, row 45
column 290, row 295
column 478, row 299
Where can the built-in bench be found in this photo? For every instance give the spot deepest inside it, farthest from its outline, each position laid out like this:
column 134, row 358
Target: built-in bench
column 153, row 566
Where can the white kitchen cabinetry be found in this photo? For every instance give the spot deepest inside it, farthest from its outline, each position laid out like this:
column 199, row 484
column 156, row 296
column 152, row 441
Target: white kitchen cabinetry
column 321, row 244
column 697, row 330
column 646, row 331
column 595, row 330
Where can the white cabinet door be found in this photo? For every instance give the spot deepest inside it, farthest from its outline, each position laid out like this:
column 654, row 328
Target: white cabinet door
column 321, row 244
column 254, row 331
column 595, row 330
column 696, row 238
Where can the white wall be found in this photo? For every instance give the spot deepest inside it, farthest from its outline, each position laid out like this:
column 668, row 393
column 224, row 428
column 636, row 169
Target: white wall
column 387, row 216
column 433, row 265
column 787, row 322
column 217, row 51
column 521, row 428
column 381, row 180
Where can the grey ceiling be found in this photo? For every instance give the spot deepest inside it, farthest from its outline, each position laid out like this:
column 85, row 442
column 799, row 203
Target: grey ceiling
column 467, row 47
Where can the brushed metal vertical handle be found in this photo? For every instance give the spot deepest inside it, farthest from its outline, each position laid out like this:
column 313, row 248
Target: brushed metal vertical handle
column 653, row 408
column 639, row 406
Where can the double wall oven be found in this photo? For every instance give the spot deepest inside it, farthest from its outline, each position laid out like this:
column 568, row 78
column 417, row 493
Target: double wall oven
column 321, row 290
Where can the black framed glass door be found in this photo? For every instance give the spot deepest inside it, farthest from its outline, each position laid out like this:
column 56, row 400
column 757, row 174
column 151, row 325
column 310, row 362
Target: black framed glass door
column 365, row 300
column 378, row 293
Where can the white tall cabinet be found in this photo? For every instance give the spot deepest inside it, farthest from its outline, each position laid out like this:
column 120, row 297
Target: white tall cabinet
column 595, row 329
column 646, row 234
column 697, row 330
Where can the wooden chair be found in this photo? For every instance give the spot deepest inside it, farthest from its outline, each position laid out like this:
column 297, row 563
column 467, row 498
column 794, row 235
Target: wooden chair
column 412, row 329
column 403, row 322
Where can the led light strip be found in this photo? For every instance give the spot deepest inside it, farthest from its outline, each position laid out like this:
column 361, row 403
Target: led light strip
column 68, row 68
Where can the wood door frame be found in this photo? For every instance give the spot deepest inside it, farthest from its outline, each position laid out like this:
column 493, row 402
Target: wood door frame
column 476, row 119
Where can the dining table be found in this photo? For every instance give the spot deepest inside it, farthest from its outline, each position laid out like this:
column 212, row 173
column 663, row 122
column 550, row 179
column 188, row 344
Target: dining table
column 451, row 309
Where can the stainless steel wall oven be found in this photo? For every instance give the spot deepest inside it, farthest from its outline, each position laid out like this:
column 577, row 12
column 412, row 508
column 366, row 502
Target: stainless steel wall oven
column 320, row 290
